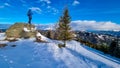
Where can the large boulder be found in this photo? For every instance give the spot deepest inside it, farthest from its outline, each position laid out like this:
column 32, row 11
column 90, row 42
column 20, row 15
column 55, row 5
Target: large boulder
column 20, row 30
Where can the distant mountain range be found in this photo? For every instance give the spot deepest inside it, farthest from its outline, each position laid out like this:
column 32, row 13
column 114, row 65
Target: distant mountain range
column 3, row 27
column 110, row 33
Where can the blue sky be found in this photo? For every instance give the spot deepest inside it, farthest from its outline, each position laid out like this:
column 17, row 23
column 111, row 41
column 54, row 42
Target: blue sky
column 49, row 11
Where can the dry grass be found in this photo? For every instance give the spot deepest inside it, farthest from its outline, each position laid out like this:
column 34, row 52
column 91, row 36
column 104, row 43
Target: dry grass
column 3, row 45
column 61, row 45
column 16, row 31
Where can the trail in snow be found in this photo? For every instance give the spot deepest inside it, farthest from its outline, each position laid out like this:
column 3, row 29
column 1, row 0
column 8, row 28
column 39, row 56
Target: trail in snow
column 30, row 54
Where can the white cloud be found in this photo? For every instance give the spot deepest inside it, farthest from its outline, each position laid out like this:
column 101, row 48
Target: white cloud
column 36, row 9
column 7, row 4
column 75, row 3
column 4, row 5
column 52, row 10
column 46, row 1
column 93, row 25
column 55, row 11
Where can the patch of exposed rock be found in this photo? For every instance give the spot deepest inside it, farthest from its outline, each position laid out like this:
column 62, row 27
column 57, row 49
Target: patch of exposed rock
column 20, row 30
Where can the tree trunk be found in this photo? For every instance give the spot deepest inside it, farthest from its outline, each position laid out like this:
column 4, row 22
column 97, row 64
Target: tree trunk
column 64, row 45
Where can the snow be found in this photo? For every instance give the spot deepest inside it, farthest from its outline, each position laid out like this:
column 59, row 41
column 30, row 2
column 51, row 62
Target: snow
column 2, row 36
column 45, row 26
column 3, row 42
column 26, row 30
column 42, row 37
column 38, row 34
column 33, row 29
column 101, row 37
column 30, row 54
column 116, row 30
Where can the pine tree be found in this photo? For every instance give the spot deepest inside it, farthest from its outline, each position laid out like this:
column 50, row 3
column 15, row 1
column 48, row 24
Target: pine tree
column 112, row 47
column 64, row 29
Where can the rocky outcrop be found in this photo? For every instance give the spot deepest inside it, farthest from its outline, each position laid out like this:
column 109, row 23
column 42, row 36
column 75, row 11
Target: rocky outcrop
column 20, row 30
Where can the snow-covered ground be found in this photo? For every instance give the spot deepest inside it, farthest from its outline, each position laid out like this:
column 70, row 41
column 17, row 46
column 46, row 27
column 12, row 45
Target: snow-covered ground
column 2, row 36
column 30, row 54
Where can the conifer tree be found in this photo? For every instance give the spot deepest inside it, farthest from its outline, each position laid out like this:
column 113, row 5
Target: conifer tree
column 64, row 29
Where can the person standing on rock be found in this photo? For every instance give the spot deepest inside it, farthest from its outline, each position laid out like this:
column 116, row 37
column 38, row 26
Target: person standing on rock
column 29, row 14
